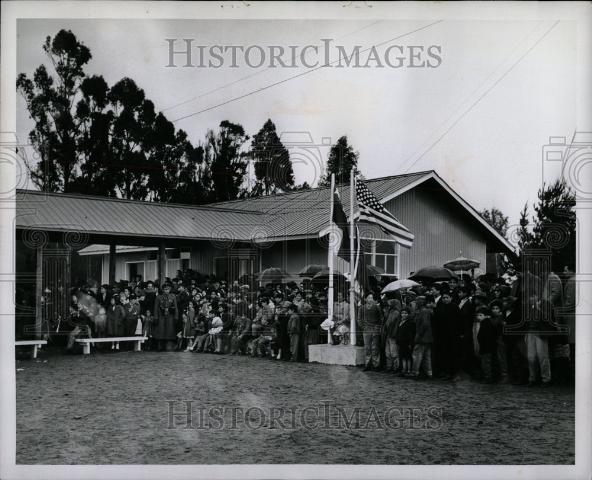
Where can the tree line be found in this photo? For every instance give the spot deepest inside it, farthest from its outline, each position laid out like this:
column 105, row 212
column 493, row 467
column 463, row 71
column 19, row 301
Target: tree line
column 110, row 140
column 104, row 140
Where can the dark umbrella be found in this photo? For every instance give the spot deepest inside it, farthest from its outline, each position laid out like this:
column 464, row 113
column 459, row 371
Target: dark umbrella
column 373, row 270
column 312, row 269
column 433, row 274
column 272, row 275
column 323, row 278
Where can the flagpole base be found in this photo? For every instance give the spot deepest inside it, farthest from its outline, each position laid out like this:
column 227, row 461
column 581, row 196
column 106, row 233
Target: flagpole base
column 336, row 354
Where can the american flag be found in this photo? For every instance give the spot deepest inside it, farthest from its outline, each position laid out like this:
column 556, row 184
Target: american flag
column 372, row 211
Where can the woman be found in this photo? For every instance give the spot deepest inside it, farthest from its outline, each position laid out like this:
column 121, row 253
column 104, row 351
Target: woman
column 103, row 296
column 115, row 320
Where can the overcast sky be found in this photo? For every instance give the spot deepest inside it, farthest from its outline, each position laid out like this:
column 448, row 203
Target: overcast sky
column 480, row 119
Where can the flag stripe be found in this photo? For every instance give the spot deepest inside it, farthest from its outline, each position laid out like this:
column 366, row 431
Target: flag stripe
column 372, row 211
column 395, row 227
column 403, row 241
column 392, row 220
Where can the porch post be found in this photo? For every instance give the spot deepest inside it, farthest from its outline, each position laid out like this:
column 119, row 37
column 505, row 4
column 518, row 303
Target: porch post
column 39, row 292
column 112, row 251
column 161, row 263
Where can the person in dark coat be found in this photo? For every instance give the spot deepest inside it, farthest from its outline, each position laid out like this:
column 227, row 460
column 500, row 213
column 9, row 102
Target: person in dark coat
column 115, row 320
column 514, row 341
column 371, row 320
column 165, row 318
column 405, row 336
column 424, row 338
column 389, row 333
column 183, row 298
column 148, row 298
column 295, row 330
column 449, row 336
column 281, row 327
column 103, row 296
column 470, row 362
column 487, row 337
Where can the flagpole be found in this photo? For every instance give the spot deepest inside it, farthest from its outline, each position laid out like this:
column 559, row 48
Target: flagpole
column 330, row 260
column 352, row 278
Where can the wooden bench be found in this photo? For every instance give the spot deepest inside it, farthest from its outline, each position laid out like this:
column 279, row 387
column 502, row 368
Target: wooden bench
column 86, row 342
column 35, row 343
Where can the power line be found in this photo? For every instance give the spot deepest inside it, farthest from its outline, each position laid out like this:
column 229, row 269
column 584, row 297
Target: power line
column 205, row 94
column 280, row 82
column 483, row 96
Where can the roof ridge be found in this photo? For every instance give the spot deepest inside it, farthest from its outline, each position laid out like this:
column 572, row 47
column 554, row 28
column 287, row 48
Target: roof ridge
column 217, row 205
column 317, row 188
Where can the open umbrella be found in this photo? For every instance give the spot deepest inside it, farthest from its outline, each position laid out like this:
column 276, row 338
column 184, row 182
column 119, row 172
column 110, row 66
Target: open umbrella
column 462, row 264
column 374, row 271
column 272, row 275
column 398, row 285
column 433, row 274
column 312, row 269
column 322, row 278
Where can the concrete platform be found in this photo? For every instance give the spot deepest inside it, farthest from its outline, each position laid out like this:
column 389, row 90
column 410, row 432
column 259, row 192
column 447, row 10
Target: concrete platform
column 336, row 354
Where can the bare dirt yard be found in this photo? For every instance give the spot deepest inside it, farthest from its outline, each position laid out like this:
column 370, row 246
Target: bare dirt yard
column 132, row 408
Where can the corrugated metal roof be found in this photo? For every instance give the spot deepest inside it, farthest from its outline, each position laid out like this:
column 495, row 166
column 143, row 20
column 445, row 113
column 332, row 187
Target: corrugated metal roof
column 293, row 214
column 97, row 215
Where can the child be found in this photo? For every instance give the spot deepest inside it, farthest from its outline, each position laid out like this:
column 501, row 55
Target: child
column 253, row 346
column 404, row 337
column 488, row 331
column 101, row 322
column 422, row 351
column 201, row 329
column 148, row 324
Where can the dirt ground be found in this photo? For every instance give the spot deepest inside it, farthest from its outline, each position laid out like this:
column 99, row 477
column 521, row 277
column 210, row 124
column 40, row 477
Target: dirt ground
column 115, row 408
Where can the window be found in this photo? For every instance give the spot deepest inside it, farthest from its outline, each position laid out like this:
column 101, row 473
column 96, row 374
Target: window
column 384, row 255
column 135, row 269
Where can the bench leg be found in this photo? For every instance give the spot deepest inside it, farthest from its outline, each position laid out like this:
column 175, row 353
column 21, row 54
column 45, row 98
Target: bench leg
column 86, row 348
column 34, row 351
column 138, row 346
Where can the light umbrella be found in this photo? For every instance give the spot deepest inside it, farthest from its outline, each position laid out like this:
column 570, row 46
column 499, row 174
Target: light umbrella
column 433, row 274
column 398, row 285
column 462, row 264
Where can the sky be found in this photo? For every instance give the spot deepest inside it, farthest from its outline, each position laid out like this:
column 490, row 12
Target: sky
column 480, row 119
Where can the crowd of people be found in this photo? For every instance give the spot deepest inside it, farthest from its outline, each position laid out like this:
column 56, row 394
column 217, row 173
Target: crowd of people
column 484, row 329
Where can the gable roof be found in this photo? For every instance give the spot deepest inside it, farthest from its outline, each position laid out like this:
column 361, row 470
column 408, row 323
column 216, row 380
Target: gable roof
column 291, row 215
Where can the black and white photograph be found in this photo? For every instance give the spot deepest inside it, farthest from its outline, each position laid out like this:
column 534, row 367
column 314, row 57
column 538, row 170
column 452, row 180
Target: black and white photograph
column 295, row 240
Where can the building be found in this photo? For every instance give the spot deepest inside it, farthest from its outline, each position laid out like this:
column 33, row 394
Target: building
column 116, row 239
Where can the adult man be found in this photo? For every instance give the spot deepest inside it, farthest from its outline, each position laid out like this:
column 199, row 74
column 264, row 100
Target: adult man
column 537, row 341
column 466, row 309
column 371, row 320
column 166, row 314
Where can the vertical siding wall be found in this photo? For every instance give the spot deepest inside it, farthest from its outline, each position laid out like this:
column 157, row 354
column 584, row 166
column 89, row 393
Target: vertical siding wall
column 150, row 266
column 294, row 255
column 442, row 229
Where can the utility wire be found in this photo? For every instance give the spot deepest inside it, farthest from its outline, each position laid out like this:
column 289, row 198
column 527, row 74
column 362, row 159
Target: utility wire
column 259, row 72
column 504, row 75
column 285, row 80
